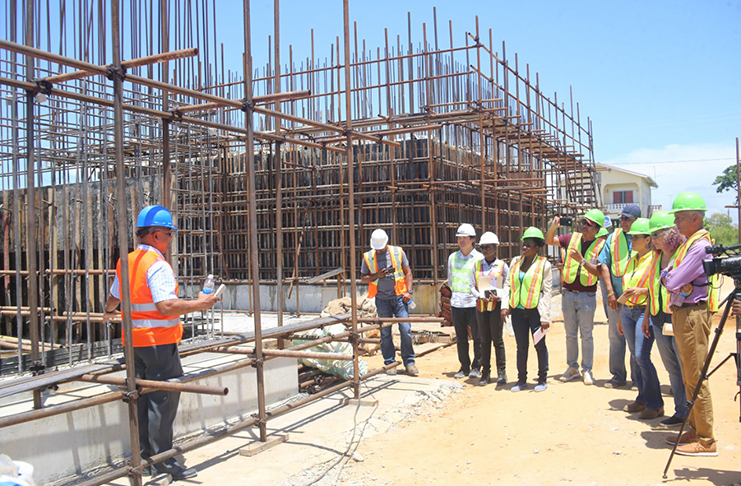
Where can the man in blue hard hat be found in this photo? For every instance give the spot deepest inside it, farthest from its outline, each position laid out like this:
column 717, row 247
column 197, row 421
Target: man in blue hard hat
column 156, row 331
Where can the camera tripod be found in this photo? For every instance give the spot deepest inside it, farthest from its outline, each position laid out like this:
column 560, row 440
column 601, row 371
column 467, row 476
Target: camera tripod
column 704, row 375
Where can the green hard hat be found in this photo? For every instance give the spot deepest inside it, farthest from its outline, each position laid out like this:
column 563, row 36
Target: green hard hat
column 533, row 232
column 640, row 227
column 688, row 201
column 595, row 216
column 602, row 232
column 660, row 220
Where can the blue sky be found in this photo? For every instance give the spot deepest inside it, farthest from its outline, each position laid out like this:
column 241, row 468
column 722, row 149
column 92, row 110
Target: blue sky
column 661, row 80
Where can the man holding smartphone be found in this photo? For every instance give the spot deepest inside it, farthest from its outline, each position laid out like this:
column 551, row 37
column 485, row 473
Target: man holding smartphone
column 392, row 288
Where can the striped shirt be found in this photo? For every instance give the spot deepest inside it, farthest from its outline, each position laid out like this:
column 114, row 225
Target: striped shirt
column 160, row 279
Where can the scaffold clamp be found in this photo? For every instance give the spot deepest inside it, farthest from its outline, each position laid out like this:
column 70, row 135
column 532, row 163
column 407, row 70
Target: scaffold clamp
column 112, row 72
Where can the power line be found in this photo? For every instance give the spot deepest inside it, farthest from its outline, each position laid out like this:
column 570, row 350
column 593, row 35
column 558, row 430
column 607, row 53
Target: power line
column 669, row 161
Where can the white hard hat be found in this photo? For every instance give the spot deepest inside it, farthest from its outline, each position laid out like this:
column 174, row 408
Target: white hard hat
column 489, row 238
column 379, row 238
column 466, row 230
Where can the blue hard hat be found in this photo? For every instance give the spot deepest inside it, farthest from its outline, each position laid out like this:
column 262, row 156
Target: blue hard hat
column 155, row 216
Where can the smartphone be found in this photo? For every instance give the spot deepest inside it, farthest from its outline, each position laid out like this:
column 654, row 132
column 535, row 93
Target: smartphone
column 490, row 293
column 566, row 221
column 220, row 290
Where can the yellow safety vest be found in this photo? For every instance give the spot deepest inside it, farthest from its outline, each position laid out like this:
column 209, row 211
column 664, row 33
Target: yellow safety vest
column 713, row 289
column 527, row 292
column 655, row 288
column 572, row 268
column 637, row 274
column 496, row 271
column 619, row 252
column 400, row 282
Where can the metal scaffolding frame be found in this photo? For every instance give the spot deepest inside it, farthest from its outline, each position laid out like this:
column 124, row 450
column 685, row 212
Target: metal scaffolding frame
column 463, row 135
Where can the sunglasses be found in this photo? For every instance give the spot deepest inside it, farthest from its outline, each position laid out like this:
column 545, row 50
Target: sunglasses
column 586, row 222
column 626, row 218
column 487, row 247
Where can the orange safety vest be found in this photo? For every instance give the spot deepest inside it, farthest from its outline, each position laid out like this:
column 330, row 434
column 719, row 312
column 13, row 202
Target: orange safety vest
column 400, row 282
column 149, row 326
column 713, row 290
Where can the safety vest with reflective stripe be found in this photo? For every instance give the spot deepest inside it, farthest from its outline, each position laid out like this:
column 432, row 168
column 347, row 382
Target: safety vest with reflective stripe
column 149, row 326
column 495, row 271
column 527, row 292
column 655, row 288
column 620, row 253
column 572, row 268
column 637, row 273
column 400, row 282
column 713, row 288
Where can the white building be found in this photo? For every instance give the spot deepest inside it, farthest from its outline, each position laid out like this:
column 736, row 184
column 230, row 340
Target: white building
column 620, row 187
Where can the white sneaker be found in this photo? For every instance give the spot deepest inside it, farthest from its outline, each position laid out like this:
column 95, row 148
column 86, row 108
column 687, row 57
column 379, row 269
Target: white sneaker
column 460, row 374
column 569, row 375
column 540, row 387
column 474, row 373
column 518, row 387
column 588, row 378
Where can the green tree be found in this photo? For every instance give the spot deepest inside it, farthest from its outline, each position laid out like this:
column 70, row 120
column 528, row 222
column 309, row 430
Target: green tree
column 722, row 229
column 727, row 181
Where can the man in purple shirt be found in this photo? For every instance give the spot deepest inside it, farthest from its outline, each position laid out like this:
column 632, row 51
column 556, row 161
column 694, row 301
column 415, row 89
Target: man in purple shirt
column 689, row 295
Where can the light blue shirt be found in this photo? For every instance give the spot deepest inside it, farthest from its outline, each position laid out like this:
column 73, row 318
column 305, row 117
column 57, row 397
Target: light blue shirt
column 605, row 257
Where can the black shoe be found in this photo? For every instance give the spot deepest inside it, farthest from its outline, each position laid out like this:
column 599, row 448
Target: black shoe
column 185, row 474
column 502, row 379
column 485, row 379
column 673, row 420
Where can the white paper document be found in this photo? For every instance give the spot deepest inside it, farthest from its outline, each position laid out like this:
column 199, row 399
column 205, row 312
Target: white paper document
column 539, row 334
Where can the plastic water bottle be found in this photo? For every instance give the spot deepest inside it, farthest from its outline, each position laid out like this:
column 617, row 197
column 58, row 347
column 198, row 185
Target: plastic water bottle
column 208, row 285
column 412, row 304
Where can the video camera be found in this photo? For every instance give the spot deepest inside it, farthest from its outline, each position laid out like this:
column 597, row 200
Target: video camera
column 726, row 260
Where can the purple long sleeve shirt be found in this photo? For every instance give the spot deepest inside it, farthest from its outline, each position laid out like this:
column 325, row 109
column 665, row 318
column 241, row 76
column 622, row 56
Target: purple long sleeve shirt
column 690, row 271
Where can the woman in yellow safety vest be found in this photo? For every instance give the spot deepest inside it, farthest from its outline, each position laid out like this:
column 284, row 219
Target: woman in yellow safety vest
column 529, row 302
column 666, row 239
column 636, row 290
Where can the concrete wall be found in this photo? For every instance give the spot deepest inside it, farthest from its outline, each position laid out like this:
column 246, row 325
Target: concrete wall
column 70, row 444
column 313, row 298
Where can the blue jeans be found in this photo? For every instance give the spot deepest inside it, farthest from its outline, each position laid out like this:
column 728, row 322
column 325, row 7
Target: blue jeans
column 617, row 342
column 395, row 308
column 578, row 317
column 670, row 357
column 646, row 378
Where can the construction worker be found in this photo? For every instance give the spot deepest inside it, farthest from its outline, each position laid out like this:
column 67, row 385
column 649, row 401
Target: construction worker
column 529, row 302
column 633, row 316
column 615, row 256
column 392, row 288
column 156, row 331
column 578, row 300
column 666, row 240
column 460, row 266
column 487, row 282
column 692, row 300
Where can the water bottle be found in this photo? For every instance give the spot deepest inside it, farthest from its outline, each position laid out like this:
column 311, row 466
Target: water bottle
column 208, row 285
column 412, row 304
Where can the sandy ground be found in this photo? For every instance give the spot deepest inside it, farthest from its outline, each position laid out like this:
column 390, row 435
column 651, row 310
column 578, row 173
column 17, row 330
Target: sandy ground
column 437, row 430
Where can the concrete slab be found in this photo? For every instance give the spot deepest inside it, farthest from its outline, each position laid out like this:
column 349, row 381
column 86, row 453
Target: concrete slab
column 320, row 433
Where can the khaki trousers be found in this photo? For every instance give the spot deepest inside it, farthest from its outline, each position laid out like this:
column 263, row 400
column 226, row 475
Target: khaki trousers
column 691, row 332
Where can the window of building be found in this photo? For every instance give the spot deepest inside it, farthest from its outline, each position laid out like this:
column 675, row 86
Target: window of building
column 622, row 197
